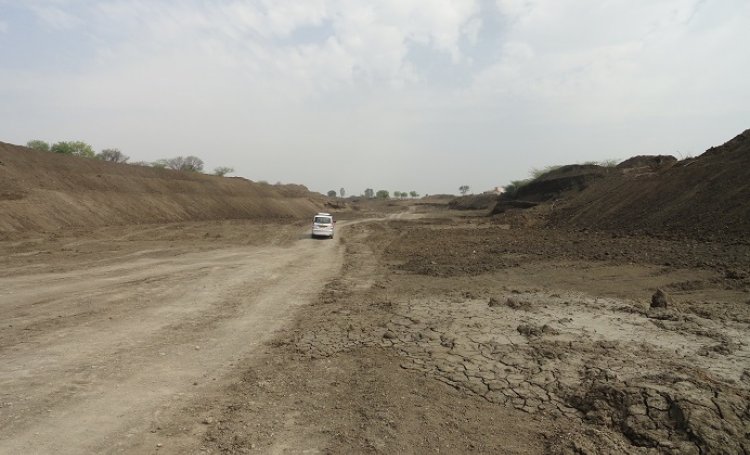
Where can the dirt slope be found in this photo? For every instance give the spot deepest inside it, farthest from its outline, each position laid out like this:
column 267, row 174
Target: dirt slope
column 705, row 196
column 42, row 191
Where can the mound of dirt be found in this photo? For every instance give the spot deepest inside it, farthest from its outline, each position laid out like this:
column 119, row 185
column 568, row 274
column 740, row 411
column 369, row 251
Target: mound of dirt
column 653, row 162
column 563, row 179
column 41, row 191
column 708, row 196
column 473, row 202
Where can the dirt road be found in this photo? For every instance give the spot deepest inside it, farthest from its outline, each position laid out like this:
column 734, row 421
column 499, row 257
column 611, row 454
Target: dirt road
column 91, row 354
column 427, row 332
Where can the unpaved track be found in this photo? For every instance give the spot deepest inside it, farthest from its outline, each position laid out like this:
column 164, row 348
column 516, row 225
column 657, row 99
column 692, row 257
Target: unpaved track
column 91, row 356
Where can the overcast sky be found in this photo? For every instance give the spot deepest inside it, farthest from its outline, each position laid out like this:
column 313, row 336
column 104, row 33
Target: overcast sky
column 403, row 95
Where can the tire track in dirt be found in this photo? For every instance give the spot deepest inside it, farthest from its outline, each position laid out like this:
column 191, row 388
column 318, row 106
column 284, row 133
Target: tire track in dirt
column 134, row 337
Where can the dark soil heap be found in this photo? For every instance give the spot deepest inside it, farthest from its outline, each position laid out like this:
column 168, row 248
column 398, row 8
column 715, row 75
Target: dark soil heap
column 42, row 191
column 707, row 196
column 573, row 177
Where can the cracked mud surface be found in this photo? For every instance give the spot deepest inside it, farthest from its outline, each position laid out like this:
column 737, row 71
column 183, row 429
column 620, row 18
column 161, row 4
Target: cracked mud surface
column 533, row 350
column 633, row 379
column 439, row 334
column 572, row 346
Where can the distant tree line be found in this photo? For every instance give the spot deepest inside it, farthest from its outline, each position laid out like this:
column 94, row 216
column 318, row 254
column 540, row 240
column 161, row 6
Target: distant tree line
column 369, row 193
column 113, row 155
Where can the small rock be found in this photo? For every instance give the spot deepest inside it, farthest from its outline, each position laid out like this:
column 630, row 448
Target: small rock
column 659, row 299
column 735, row 275
column 389, row 335
column 494, row 302
column 529, row 330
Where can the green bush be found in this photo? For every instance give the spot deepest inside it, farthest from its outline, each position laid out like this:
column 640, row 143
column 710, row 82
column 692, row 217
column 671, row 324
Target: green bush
column 38, row 145
column 75, row 148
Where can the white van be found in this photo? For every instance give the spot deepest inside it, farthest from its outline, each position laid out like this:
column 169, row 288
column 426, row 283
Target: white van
column 323, row 225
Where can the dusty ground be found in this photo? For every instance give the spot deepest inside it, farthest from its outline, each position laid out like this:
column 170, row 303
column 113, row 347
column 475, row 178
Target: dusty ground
column 423, row 332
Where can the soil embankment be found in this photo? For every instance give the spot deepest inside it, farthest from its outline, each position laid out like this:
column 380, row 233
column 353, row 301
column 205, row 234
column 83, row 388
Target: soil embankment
column 707, row 195
column 703, row 197
column 42, row 191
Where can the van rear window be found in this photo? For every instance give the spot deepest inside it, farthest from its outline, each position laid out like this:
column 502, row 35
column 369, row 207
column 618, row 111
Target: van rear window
column 322, row 220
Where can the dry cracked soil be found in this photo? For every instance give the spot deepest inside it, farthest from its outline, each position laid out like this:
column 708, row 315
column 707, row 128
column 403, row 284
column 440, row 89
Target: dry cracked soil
column 422, row 331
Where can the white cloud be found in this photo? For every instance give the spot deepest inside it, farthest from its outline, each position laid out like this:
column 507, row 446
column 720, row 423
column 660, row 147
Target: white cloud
column 363, row 84
column 56, row 18
column 369, row 42
column 590, row 60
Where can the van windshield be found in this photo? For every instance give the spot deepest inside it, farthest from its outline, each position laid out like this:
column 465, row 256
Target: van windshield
column 322, row 220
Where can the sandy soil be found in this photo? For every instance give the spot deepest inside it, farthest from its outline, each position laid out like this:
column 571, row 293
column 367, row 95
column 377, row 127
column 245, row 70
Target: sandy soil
column 420, row 333
column 94, row 350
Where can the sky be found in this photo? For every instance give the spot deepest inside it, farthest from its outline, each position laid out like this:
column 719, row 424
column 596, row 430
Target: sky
column 402, row 95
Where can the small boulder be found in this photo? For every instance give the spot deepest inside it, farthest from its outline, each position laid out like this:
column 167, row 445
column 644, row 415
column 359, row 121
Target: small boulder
column 659, row 299
column 529, row 330
column 388, row 335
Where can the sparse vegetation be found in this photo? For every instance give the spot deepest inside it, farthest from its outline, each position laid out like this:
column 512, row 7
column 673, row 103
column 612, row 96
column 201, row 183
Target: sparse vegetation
column 611, row 162
column 331, row 193
column 463, row 189
column 369, row 193
column 112, row 155
column 221, row 171
column 512, row 188
column 535, row 173
column 382, row 194
column 342, row 192
column 75, row 148
column 180, row 163
column 413, row 194
column 38, row 145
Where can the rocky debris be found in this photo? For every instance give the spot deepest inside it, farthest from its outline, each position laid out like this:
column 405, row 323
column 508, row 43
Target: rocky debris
column 337, row 205
column 735, row 275
column 510, row 302
column 443, row 252
column 517, row 304
column 531, row 330
column 659, row 299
